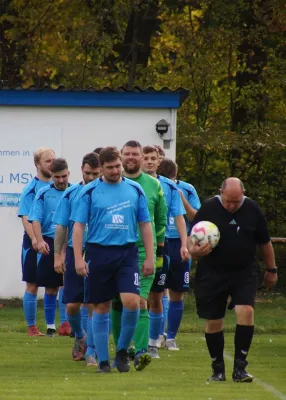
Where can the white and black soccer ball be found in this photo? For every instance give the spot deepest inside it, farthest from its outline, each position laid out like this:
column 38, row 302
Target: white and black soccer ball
column 205, row 232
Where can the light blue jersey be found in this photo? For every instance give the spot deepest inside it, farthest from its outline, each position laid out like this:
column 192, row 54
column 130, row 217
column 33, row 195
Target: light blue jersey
column 28, row 195
column 44, row 207
column 111, row 211
column 64, row 209
column 192, row 198
column 173, row 199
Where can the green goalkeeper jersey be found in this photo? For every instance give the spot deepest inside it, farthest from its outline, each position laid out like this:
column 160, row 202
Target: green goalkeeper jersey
column 156, row 205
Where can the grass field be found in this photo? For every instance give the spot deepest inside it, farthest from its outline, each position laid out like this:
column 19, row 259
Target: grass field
column 41, row 368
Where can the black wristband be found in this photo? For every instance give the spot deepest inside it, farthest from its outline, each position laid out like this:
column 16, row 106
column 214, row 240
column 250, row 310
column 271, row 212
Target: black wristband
column 272, row 270
column 160, row 251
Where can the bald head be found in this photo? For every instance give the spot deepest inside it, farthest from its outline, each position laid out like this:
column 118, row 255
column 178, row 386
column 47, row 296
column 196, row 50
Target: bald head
column 232, row 193
column 233, row 183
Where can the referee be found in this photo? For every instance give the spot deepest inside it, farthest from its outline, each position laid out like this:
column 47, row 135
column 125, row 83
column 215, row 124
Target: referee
column 229, row 270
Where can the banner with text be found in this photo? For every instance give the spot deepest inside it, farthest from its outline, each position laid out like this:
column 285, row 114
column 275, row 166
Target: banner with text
column 17, row 145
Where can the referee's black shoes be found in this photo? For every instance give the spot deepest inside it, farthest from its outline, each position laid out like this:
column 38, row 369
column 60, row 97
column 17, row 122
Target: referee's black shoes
column 218, row 372
column 239, row 374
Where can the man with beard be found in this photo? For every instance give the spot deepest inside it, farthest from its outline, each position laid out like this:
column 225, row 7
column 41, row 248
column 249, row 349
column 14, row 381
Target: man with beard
column 43, row 158
column 132, row 156
column 112, row 206
column 44, row 229
column 73, row 294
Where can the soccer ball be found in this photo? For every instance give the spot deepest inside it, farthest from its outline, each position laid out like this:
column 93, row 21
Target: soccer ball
column 205, row 232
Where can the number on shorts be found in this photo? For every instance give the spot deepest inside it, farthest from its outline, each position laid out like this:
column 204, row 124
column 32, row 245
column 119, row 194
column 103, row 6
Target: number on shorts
column 136, row 279
column 162, row 280
column 187, row 277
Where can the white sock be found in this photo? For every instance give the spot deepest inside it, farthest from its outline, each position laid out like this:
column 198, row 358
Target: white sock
column 51, row 326
column 153, row 342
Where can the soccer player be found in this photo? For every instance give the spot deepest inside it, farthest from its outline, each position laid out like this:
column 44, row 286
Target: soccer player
column 229, row 269
column 73, row 294
column 112, row 206
column 176, row 209
column 132, row 156
column 41, row 216
column 43, row 158
column 178, row 276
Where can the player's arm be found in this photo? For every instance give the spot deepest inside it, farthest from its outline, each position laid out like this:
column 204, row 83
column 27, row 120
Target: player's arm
column 182, row 230
column 148, row 241
column 29, row 230
column 80, row 216
column 61, row 218
column 178, row 211
column 145, row 227
column 190, row 211
column 43, row 247
column 60, row 242
column 36, row 217
column 25, row 206
column 77, row 240
column 160, row 216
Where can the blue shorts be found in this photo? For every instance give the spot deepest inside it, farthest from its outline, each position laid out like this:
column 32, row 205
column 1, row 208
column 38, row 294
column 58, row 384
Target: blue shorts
column 73, row 283
column 29, row 261
column 175, row 273
column 112, row 270
column 46, row 274
column 178, row 277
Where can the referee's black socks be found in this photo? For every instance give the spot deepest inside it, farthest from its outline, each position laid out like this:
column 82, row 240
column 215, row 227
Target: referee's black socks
column 215, row 343
column 242, row 341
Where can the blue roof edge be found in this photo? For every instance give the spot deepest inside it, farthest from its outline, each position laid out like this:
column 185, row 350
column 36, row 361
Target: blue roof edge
column 91, row 97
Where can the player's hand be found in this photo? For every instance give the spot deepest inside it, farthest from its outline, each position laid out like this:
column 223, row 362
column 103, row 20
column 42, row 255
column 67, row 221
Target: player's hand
column 197, row 250
column 81, row 267
column 34, row 244
column 59, row 264
column 270, row 279
column 148, row 267
column 185, row 253
column 43, row 248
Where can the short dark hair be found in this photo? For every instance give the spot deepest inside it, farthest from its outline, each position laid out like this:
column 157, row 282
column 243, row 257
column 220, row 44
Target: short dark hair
column 58, row 165
column 150, row 149
column 132, row 143
column 92, row 159
column 109, row 154
column 167, row 168
column 160, row 150
column 98, row 150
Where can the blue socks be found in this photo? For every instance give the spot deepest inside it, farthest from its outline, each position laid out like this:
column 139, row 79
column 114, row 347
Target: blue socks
column 30, row 308
column 175, row 314
column 129, row 320
column 76, row 325
column 155, row 327
column 165, row 301
column 90, row 342
column 100, row 327
column 62, row 307
column 84, row 318
column 50, row 304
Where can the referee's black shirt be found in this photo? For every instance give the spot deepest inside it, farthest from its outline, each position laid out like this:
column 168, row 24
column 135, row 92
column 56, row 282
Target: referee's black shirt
column 240, row 232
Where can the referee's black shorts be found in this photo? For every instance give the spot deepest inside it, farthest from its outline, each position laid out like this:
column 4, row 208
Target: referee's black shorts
column 213, row 287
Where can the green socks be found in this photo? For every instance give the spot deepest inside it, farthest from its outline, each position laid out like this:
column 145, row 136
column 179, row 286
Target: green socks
column 116, row 324
column 141, row 336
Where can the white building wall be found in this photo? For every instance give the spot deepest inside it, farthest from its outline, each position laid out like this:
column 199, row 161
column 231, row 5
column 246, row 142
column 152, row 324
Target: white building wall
column 72, row 132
